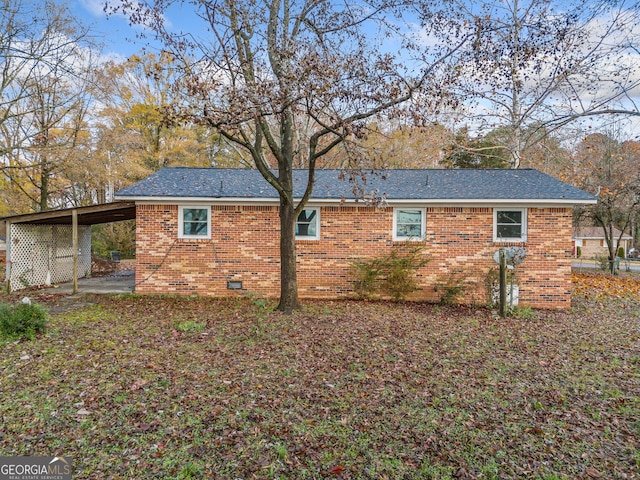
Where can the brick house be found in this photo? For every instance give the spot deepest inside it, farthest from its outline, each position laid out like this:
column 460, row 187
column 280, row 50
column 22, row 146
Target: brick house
column 593, row 244
column 216, row 231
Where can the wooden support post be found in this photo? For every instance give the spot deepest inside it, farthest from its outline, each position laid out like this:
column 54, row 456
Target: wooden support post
column 503, row 283
column 74, row 233
column 7, row 271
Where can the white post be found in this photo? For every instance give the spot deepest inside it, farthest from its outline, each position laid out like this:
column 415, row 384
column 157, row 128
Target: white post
column 74, row 233
column 8, row 257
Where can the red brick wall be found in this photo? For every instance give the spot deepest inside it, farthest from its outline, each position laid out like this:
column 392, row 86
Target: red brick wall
column 244, row 246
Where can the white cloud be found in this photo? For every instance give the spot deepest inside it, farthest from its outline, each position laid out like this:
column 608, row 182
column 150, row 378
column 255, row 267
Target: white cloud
column 94, row 7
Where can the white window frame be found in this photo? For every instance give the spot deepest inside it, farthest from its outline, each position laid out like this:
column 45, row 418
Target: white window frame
column 523, row 231
column 423, row 226
column 317, row 217
column 181, row 233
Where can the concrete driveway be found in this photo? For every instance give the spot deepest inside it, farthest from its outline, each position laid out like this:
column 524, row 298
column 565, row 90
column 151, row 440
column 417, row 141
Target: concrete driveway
column 121, row 281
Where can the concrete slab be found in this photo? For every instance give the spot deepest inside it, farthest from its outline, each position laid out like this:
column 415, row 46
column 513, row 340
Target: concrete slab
column 122, row 281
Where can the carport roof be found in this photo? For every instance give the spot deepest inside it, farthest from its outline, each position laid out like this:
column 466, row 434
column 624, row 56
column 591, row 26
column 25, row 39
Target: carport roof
column 91, row 215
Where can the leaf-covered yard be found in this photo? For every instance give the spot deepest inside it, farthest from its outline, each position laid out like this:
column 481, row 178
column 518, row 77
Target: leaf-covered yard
column 162, row 387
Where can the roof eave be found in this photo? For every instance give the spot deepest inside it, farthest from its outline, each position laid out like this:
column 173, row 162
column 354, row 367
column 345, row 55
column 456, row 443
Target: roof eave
column 87, row 215
column 340, row 201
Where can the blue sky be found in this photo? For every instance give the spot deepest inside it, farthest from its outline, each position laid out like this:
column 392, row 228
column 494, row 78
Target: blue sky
column 121, row 40
column 117, row 36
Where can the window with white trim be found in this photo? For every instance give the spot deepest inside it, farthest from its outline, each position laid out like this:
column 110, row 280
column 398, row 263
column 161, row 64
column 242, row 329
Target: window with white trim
column 510, row 225
column 308, row 224
column 194, row 222
column 409, row 223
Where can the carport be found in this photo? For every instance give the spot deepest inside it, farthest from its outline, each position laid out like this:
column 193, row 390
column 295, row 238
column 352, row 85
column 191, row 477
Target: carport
column 55, row 246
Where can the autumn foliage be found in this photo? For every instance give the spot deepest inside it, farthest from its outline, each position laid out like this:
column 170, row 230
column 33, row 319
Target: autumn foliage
column 599, row 286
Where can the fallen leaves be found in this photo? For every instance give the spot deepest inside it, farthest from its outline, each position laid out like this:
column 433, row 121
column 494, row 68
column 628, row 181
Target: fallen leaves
column 342, row 390
column 137, row 384
column 601, row 286
column 593, row 473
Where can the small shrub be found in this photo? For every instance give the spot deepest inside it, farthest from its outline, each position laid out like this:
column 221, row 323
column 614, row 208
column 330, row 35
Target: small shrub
column 22, row 321
column 400, row 269
column 392, row 275
column 368, row 277
column 621, row 252
column 452, row 293
column 579, row 252
column 523, row 313
column 452, row 288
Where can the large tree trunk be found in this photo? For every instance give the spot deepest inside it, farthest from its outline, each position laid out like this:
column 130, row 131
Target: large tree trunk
column 288, row 275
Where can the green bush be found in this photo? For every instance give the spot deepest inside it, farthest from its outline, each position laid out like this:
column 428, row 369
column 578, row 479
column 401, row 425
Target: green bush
column 22, row 320
column 524, row 313
column 621, row 252
column 368, row 277
column 392, row 275
column 452, row 287
column 400, row 278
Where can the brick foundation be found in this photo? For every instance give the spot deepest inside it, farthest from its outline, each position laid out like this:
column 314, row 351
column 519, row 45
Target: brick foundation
column 244, row 247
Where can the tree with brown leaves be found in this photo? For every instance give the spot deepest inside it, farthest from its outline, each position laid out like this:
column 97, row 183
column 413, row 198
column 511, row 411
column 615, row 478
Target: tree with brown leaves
column 536, row 66
column 609, row 168
column 256, row 71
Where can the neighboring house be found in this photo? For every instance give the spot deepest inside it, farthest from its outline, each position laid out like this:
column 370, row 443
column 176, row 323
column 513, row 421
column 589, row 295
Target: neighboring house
column 593, row 244
column 212, row 231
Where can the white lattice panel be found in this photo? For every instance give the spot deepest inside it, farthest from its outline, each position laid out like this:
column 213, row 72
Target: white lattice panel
column 43, row 254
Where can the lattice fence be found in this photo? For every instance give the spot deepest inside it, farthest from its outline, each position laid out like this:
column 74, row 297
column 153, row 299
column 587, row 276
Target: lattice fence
column 43, row 254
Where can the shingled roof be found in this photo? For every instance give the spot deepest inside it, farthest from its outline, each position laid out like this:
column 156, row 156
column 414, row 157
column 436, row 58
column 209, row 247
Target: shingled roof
column 597, row 233
column 394, row 185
